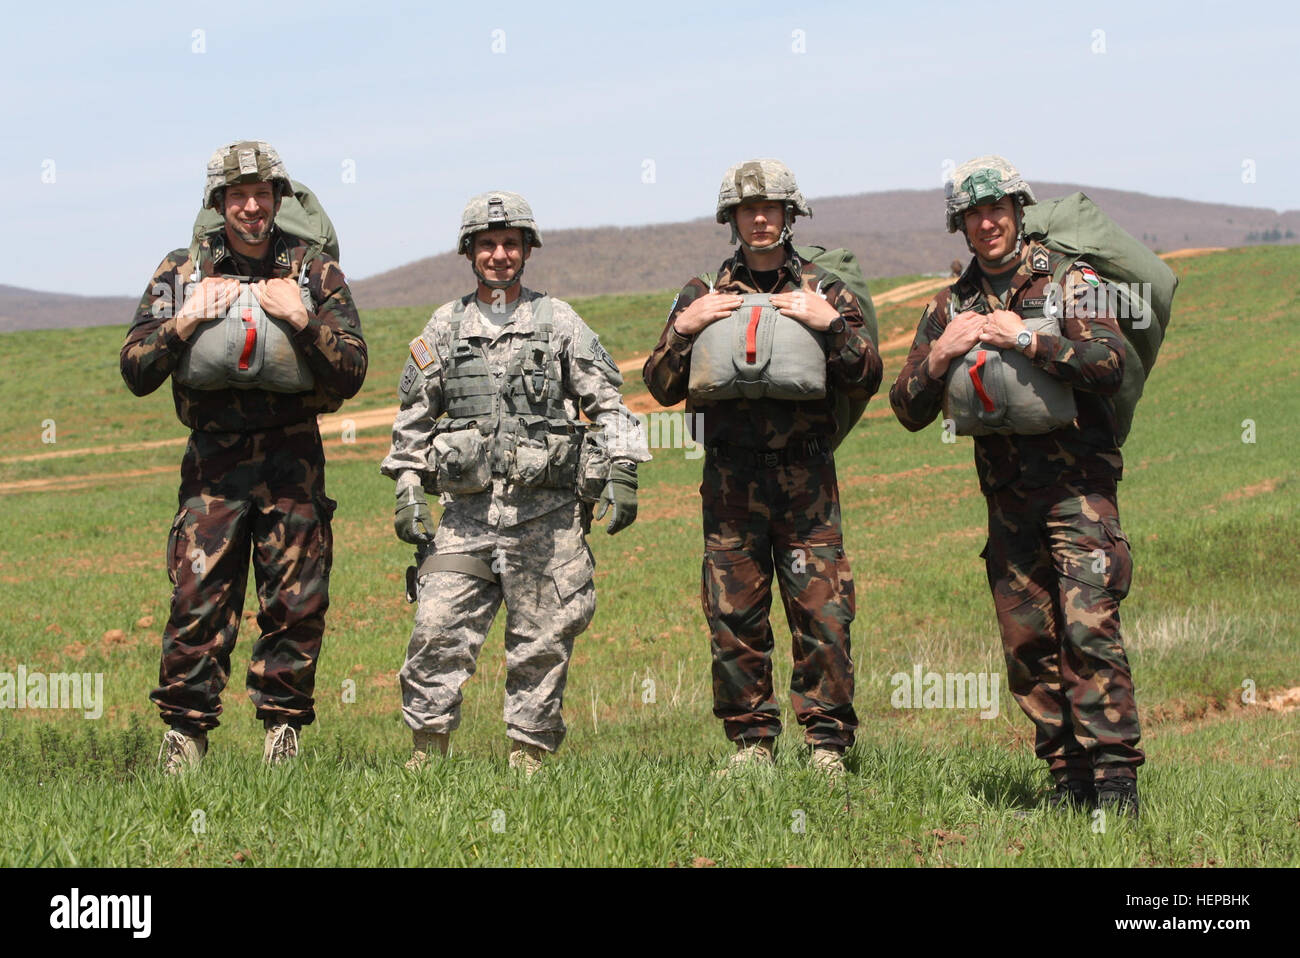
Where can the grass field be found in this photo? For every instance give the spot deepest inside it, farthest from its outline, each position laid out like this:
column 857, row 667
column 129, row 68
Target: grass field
column 1212, row 616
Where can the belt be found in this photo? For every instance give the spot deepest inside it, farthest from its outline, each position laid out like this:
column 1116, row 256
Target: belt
column 809, row 450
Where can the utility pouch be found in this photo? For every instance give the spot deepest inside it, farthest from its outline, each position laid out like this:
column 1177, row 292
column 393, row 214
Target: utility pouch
column 463, row 465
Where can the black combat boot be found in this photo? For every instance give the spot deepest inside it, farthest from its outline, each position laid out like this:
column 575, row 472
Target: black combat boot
column 1073, row 795
column 1118, row 795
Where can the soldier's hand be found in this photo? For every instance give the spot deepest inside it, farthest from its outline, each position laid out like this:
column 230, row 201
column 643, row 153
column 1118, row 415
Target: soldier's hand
column 281, row 299
column 413, row 520
column 958, row 338
column 811, row 309
column 704, row 311
column 207, row 299
column 619, row 492
column 1001, row 328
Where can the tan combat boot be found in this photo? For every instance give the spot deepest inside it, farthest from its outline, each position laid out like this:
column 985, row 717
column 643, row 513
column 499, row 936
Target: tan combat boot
column 753, row 753
column 181, row 752
column 425, row 743
column 829, row 759
column 527, row 757
column 281, row 744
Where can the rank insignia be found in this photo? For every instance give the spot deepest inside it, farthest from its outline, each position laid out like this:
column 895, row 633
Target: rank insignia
column 1038, row 262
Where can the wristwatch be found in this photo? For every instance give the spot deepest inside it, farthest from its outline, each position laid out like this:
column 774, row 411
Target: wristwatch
column 1023, row 339
column 837, row 326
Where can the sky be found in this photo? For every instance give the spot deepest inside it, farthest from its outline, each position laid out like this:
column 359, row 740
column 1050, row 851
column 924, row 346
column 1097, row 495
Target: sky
column 609, row 113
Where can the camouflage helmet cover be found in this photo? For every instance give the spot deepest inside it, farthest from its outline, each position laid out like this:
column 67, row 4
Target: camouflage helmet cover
column 984, row 179
column 246, row 161
column 759, row 180
column 498, row 209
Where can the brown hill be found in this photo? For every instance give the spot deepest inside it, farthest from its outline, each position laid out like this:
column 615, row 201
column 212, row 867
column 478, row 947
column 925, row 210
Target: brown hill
column 894, row 233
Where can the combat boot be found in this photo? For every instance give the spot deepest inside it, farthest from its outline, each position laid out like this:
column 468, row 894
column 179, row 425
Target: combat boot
column 425, row 743
column 281, row 744
column 1073, row 795
column 527, row 757
column 829, row 759
column 181, row 752
column 754, row 753
column 1118, row 795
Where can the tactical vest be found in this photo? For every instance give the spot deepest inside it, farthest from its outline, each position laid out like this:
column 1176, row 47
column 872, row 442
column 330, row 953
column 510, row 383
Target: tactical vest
column 517, row 428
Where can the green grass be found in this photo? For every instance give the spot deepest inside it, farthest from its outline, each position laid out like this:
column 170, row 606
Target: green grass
column 1216, row 596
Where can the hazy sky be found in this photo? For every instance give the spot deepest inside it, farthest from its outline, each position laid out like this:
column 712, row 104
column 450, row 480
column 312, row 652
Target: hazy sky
column 609, row 113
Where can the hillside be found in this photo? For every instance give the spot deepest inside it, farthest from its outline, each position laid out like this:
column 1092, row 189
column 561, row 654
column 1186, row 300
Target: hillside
column 894, row 233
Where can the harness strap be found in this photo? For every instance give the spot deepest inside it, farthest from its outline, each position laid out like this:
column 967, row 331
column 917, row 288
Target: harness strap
column 459, row 562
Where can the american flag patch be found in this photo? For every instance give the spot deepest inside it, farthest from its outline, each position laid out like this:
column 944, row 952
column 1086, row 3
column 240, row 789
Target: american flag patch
column 421, row 352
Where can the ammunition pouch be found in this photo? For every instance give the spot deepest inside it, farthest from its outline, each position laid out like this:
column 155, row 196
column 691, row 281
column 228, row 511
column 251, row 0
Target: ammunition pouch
column 463, row 465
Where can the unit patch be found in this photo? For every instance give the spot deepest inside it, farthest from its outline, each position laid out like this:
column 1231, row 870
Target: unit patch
column 409, row 375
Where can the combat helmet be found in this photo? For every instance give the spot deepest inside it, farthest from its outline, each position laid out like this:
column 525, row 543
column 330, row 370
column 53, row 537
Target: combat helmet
column 984, row 179
column 763, row 179
column 498, row 209
column 245, row 161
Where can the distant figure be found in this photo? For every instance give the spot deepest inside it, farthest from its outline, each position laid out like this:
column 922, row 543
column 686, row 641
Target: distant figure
column 956, row 267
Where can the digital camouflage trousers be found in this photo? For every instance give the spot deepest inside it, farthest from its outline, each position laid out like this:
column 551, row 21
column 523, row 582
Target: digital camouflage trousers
column 781, row 522
column 543, row 570
column 1058, row 565
column 260, row 495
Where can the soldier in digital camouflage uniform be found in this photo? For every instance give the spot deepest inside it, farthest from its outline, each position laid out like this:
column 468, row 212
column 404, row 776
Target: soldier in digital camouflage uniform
column 253, row 475
column 1058, row 562
column 491, row 398
column 770, row 498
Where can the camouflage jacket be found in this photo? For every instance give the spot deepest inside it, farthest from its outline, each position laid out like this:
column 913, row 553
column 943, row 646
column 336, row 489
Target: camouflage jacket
column 331, row 342
column 853, row 365
column 1089, row 355
column 591, row 382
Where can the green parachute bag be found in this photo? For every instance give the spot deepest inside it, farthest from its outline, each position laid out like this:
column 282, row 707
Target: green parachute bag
column 842, row 265
column 1141, row 283
column 300, row 215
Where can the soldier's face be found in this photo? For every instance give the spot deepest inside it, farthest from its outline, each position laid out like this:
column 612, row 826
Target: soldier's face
column 991, row 228
column 250, row 211
column 759, row 222
column 499, row 254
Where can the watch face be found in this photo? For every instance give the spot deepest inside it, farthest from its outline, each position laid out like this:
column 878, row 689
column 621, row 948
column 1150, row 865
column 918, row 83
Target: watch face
column 1024, row 338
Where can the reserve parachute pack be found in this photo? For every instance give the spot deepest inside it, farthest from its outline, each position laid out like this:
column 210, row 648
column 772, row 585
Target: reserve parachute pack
column 997, row 391
column 247, row 349
column 518, row 429
column 1138, row 285
column 756, row 352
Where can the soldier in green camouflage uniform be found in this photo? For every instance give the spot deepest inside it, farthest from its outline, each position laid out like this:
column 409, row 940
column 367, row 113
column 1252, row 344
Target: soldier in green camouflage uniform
column 770, row 498
column 253, row 475
column 1058, row 562
column 491, row 400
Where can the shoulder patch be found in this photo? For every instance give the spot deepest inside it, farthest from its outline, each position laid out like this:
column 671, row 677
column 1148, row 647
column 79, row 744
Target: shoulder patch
column 409, row 377
column 1038, row 260
column 1089, row 274
column 589, row 347
column 421, row 353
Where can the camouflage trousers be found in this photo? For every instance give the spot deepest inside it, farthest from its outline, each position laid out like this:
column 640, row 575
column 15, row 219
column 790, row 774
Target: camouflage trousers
column 260, row 494
column 1058, row 565
column 782, row 522
column 544, row 568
